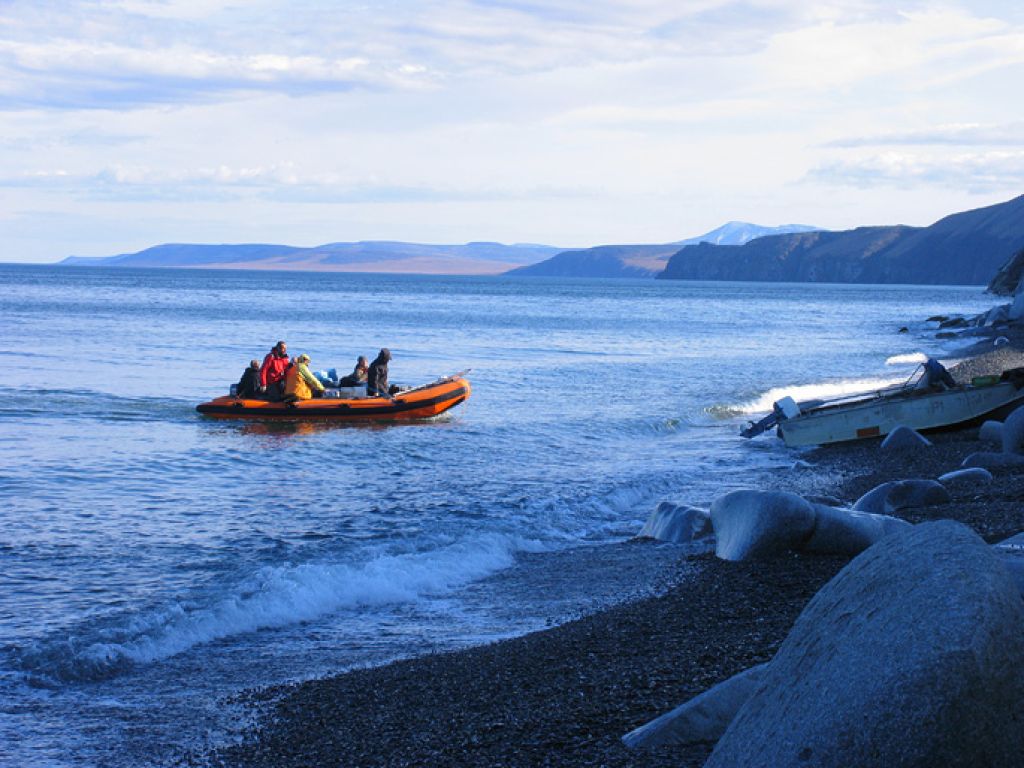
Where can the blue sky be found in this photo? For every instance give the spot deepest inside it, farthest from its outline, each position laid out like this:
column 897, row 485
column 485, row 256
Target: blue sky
column 127, row 123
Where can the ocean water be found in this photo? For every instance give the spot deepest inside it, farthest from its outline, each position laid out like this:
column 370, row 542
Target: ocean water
column 154, row 563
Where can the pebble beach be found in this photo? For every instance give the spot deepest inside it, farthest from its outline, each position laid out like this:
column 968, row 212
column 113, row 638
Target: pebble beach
column 566, row 695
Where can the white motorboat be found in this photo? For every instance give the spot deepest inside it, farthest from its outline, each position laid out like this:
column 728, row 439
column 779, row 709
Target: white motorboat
column 876, row 414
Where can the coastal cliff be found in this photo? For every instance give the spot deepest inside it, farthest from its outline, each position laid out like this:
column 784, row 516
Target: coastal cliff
column 962, row 249
column 1007, row 279
column 644, row 260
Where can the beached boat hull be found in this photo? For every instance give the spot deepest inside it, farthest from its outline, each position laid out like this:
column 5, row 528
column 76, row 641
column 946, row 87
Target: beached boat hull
column 922, row 411
column 420, row 403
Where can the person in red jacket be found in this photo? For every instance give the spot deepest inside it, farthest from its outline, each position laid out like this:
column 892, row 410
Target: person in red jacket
column 272, row 371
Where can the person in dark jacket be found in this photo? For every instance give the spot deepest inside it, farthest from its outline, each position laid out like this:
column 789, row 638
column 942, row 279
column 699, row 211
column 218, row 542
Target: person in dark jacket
column 272, row 371
column 249, row 384
column 358, row 375
column 935, row 376
column 377, row 375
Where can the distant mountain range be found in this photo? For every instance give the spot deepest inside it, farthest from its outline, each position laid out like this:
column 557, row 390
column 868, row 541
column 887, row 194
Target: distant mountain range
column 644, row 260
column 965, row 248
column 415, row 258
column 962, row 249
column 368, row 256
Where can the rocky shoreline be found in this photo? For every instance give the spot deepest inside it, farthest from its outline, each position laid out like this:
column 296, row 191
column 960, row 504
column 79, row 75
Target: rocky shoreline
column 566, row 696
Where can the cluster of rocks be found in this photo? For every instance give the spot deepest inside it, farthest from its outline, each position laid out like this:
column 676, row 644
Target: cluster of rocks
column 1000, row 317
column 1008, row 435
column 912, row 655
column 747, row 524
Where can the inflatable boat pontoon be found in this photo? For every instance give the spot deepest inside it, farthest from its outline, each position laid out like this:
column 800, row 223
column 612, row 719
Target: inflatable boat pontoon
column 418, row 403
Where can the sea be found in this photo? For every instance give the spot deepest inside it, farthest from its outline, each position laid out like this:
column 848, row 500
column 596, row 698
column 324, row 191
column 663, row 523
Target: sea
column 156, row 564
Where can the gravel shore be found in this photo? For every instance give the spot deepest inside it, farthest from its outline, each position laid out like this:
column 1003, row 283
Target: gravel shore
column 565, row 696
column 560, row 697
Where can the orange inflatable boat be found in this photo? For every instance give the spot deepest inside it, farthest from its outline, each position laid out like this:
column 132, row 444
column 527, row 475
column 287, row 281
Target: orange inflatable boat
column 418, row 403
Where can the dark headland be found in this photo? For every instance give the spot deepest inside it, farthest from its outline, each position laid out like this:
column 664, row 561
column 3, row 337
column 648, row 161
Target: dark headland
column 566, row 696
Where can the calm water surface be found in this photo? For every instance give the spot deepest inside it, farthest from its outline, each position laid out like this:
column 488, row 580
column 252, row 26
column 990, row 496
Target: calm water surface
column 153, row 562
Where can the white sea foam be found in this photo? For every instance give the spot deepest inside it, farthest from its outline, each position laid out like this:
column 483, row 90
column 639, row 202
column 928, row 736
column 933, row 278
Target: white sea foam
column 820, row 391
column 279, row 596
column 912, row 358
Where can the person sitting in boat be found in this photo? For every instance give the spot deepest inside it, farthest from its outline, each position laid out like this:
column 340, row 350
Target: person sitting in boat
column 377, row 375
column 299, row 381
column 272, row 371
column 358, row 375
column 935, row 376
column 249, row 384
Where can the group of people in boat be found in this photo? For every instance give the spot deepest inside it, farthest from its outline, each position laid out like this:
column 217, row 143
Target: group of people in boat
column 283, row 379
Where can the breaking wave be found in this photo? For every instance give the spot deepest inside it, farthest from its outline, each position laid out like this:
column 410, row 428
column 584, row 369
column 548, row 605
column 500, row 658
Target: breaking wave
column 277, row 596
column 912, row 358
column 821, row 391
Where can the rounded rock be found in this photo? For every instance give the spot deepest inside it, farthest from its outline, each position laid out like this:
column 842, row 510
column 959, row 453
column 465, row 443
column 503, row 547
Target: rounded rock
column 679, row 524
column 993, row 460
column 970, row 478
column 911, row 656
column 1013, row 431
column 750, row 524
column 902, row 494
column 991, row 432
column 903, row 439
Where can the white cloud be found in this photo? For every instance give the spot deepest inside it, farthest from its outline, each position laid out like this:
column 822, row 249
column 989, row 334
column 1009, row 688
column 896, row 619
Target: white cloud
column 932, row 47
column 71, row 74
column 190, row 52
column 284, row 182
column 979, row 172
column 967, row 134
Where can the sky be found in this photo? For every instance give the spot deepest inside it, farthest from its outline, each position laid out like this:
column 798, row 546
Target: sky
column 128, row 123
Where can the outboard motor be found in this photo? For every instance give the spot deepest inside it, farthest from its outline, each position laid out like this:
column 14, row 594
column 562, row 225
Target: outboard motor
column 783, row 409
column 786, row 408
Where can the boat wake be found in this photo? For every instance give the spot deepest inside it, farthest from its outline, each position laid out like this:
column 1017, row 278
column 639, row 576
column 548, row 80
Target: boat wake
column 86, row 404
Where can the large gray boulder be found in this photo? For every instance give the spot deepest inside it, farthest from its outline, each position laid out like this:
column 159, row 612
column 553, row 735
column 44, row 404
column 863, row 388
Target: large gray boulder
column 679, row 524
column 1013, row 431
column 991, row 432
column 825, row 499
column 1014, row 564
column 966, row 478
column 703, row 718
column 1012, row 551
column 912, row 656
column 848, row 532
column 902, row 494
column 993, row 460
column 904, row 439
column 1013, row 544
column 750, row 524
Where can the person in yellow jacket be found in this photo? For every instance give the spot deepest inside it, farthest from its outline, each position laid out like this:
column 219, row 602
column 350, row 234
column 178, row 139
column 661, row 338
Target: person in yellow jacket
column 299, row 383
